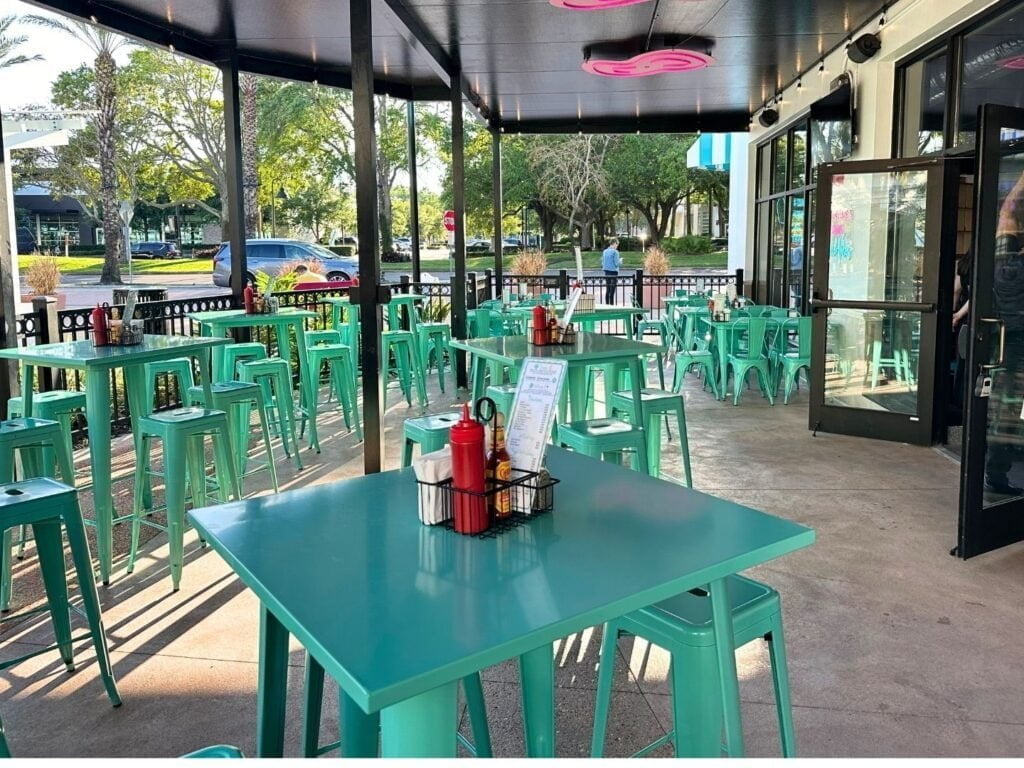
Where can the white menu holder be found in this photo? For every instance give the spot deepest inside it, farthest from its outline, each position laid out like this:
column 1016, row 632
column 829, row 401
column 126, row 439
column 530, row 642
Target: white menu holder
column 533, row 413
column 574, row 299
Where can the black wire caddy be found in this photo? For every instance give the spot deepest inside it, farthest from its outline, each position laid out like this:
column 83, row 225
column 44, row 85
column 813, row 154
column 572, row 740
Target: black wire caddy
column 527, row 495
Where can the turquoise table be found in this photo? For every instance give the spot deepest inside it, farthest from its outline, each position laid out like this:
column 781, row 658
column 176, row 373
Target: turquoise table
column 220, row 323
column 98, row 363
column 722, row 331
column 398, row 612
column 605, row 313
column 590, row 349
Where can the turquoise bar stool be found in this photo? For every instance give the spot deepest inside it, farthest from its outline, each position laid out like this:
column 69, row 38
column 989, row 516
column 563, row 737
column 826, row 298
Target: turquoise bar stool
column 183, row 434
column 694, row 351
column 216, row 751
column 606, row 439
column 342, row 378
column 402, row 344
column 233, row 354
column 655, row 403
column 238, row 399
column 788, row 363
column 178, row 370
column 682, row 625
column 503, row 396
column 433, row 340
column 4, row 749
column 663, row 330
column 430, row 433
column 48, row 506
column 274, row 375
column 60, row 405
column 329, row 336
column 39, row 443
column 749, row 345
column 313, row 705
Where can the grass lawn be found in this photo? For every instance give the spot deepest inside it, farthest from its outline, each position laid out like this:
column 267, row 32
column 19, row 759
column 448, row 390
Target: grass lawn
column 93, row 265
column 591, row 260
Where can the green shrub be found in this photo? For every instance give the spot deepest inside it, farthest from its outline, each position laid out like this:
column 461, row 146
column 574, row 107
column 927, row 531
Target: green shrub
column 689, row 244
column 342, row 250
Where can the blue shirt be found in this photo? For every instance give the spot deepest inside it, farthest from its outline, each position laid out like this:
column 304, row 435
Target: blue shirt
column 610, row 260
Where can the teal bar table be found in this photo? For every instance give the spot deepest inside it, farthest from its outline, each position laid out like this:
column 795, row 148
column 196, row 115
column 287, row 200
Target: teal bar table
column 99, row 364
column 220, row 323
column 606, row 313
column 398, row 612
column 590, row 349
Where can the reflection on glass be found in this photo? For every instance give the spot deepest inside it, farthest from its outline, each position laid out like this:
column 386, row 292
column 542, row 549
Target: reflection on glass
column 763, row 166
column 871, row 359
column 778, row 261
column 924, row 106
column 1004, row 450
column 797, row 260
column 877, row 236
column 763, row 248
column 993, row 70
column 779, row 159
column 831, row 140
column 798, row 169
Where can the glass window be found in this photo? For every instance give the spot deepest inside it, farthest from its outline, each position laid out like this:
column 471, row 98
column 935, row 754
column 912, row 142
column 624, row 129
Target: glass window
column 924, row 106
column 761, row 254
column 830, row 141
column 797, row 252
column 763, row 164
column 798, row 169
column 778, row 252
column 993, row 70
column 779, row 159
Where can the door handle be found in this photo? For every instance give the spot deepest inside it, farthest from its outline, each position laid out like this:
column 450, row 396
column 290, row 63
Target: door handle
column 1002, row 342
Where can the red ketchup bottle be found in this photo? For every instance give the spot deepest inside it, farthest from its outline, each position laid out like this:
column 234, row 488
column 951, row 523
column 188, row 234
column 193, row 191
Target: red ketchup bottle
column 249, row 300
column 540, row 325
column 468, row 474
column 98, row 318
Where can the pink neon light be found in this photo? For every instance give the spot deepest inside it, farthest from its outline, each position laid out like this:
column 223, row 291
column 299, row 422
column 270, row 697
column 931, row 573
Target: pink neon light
column 649, row 63
column 593, row 5
column 1017, row 62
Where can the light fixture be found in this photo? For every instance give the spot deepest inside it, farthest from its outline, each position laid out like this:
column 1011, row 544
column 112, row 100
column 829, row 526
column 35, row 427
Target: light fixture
column 631, row 58
column 864, row 47
column 799, row 83
column 93, row 19
column 170, row 47
column 593, row 5
column 821, row 67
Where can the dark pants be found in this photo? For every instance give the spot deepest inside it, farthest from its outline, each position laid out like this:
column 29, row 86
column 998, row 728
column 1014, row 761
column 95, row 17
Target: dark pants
column 610, row 283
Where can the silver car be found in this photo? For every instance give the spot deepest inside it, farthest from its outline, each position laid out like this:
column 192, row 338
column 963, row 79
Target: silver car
column 268, row 256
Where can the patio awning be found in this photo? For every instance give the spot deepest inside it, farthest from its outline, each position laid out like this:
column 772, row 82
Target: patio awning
column 521, row 60
column 711, row 151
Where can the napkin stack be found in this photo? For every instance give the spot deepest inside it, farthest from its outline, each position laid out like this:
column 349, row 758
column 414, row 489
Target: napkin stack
column 433, row 468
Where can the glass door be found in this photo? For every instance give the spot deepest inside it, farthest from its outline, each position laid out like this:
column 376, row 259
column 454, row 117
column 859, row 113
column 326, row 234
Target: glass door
column 875, row 293
column 992, row 469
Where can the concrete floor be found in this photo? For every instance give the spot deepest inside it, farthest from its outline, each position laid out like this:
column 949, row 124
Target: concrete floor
column 895, row 647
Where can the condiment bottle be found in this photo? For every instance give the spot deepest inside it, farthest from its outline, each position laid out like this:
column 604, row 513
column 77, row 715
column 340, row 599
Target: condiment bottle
column 248, row 297
column 98, row 318
column 499, row 467
column 540, row 326
column 468, row 474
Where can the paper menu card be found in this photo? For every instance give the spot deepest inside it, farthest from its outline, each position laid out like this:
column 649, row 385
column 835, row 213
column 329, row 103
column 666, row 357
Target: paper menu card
column 533, row 412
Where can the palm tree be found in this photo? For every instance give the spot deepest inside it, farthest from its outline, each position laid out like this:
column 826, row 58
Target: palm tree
column 250, row 172
column 103, row 45
column 11, row 42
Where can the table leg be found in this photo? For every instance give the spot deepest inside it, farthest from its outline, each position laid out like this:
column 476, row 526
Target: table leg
column 725, row 646
column 479, row 373
column 577, row 376
column 28, row 375
column 421, row 726
column 721, row 345
column 97, row 411
column 537, row 675
column 273, row 686
column 205, row 373
column 359, row 731
column 133, row 382
column 306, row 380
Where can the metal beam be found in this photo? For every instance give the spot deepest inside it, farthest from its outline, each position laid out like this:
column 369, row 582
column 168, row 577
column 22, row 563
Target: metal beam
column 8, row 286
column 233, row 171
column 498, row 207
column 370, row 316
column 458, row 278
column 720, row 122
column 414, row 193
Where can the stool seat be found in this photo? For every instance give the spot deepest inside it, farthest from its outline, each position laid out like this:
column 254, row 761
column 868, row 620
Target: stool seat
column 599, row 438
column 274, row 375
column 655, row 403
column 233, row 354
column 429, row 432
column 189, row 414
column 71, row 399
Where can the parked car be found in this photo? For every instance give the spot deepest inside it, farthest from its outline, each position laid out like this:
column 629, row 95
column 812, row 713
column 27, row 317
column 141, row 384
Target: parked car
column 155, row 250
column 268, row 256
column 347, row 240
column 477, row 244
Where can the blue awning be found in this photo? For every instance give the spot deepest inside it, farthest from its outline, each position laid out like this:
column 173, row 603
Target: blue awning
column 711, row 151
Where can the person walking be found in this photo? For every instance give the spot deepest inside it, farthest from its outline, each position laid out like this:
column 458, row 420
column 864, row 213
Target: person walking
column 610, row 263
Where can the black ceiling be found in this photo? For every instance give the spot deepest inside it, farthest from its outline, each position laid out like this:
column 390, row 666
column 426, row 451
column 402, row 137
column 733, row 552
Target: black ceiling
column 522, row 57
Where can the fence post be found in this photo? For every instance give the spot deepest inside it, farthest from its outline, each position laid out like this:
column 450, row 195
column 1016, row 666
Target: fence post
column 471, row 299
column 563, row 284
column 489, row 283
column 638, row 288
column 404, row 282
column 45, row 308
column 739, row 281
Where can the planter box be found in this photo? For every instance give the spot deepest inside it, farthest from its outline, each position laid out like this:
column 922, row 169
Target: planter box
column 654, row 296
column 62, row 300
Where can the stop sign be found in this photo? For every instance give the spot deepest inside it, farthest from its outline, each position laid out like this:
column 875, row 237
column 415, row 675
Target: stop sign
column 449, row 220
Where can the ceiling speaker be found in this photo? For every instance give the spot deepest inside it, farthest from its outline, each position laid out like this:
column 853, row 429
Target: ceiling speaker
column 864, row 47
column 768, row 117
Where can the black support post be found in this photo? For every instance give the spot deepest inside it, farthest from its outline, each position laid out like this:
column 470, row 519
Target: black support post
column 8, row 287
column 369, row 308
column 233, row 171
column 414, row 194
column 498, row 206
column 459, row 206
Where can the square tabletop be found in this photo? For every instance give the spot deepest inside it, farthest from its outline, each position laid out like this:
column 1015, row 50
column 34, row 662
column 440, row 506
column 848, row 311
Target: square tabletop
column 392, row 608
column 83, row 354
column 588, row 346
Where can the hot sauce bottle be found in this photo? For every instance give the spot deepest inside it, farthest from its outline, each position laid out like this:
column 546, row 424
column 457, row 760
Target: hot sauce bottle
column 499, row 468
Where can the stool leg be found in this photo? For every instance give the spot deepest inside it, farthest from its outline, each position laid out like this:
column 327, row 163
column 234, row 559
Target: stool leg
column 6, row 569
column 419, row 374
column 261, row 408
column 407, row 453
column 696, row 703
column 51, row 562
column 780, row 679
column 605, row 675
column 175, row 469
column 403, row 359
column 79, row 546
column 141, row 479
column 474, row 691
column 653, row 426
column 196, row 462
column 684, row 445
column 227, row 478
column 312, row 707
column 283, row 388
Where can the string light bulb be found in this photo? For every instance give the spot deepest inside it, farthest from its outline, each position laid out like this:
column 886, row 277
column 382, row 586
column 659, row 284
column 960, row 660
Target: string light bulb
column 821, row 67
